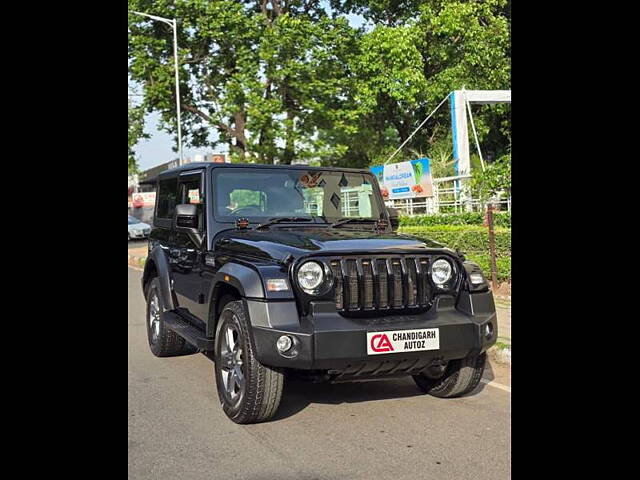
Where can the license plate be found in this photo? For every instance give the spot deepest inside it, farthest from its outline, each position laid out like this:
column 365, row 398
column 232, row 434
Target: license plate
column 397, row 341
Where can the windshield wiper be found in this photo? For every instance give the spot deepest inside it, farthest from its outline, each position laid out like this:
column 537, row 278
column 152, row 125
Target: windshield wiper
column 343, row 221
column 273, row 221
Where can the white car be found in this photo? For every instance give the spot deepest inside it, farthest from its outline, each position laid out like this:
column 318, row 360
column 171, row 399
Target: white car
column 138, row 229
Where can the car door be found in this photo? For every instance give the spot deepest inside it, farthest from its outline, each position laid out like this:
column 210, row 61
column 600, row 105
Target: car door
column 163, row 216
column 187, row 249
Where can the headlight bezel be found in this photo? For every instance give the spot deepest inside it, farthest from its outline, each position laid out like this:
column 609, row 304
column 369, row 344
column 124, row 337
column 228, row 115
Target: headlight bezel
column 451, row 281
column 473, row 268
column 325, row 283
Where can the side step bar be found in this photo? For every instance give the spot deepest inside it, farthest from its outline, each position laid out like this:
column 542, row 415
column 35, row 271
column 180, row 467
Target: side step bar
column 190, row 333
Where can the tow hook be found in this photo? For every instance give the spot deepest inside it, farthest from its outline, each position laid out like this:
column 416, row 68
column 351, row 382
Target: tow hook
column 436, row 369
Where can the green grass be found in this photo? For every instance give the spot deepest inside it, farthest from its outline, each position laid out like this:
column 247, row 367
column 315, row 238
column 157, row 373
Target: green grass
column 501, row 345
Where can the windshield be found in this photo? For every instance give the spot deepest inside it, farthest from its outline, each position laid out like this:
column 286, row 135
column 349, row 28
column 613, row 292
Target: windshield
column 260, row 194
column 133, row 220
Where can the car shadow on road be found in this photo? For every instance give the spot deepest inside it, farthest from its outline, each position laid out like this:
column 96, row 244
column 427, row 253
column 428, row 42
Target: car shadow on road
column 298, row 395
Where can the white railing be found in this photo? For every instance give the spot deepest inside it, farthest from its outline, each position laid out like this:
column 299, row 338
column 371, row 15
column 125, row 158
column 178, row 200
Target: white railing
column 447, row 198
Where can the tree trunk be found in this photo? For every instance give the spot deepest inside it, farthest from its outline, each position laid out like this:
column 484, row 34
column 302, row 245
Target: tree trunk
column 241, row 139
column 289, row 150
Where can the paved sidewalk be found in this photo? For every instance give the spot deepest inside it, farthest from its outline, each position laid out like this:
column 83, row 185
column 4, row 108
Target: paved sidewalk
column 504, row 322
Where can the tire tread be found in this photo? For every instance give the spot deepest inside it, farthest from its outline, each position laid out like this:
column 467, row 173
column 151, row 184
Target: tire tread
column 264, row 384
column 461, row 377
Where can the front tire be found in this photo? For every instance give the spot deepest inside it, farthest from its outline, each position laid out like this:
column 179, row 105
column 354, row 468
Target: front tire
column 460, row 378
column 249, row 392
column 163, row 342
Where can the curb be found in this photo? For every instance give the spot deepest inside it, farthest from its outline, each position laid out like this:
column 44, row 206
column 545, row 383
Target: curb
column 500, row 355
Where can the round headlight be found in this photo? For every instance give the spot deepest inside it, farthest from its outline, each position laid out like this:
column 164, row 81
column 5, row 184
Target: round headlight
column 310, row 276
column 441, row 271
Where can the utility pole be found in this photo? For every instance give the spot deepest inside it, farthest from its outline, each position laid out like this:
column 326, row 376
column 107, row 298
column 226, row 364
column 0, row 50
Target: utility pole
column 492, row 247
column 172, row 22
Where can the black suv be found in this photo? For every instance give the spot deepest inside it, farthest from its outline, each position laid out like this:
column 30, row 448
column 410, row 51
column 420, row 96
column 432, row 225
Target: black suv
column 277, row 271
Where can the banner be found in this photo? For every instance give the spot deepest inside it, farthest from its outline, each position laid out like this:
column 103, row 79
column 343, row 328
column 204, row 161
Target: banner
column 405, row 179
column 144, row 199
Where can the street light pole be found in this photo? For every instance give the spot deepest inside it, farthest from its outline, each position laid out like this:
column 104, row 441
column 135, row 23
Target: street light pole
column 173, row 24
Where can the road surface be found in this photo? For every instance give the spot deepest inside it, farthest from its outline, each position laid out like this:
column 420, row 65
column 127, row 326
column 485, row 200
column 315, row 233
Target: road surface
column 381, row 429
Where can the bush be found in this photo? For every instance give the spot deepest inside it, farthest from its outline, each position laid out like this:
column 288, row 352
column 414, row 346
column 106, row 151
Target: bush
column 503, row 265
column 467, row 238
column 473, row 241
column 501, row 219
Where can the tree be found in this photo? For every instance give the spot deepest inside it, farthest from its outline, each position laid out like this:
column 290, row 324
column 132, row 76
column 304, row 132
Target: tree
column 136, row 132
column 284, row 80
column 453, row 44
column 262, row 73
column 495, row 179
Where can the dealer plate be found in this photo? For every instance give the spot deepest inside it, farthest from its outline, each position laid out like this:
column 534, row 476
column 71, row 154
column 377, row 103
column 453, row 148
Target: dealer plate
column 397, row 341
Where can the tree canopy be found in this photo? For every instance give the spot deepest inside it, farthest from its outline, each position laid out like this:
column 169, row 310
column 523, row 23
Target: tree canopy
column 284, row 80
column 136, row 132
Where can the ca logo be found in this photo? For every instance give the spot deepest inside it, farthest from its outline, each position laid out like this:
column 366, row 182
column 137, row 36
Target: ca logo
column 381, row 343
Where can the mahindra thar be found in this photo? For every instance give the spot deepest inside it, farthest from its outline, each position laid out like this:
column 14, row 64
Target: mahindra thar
column 298, row 271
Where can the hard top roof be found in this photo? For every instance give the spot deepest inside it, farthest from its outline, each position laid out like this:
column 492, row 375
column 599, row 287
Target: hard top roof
column 197, row 165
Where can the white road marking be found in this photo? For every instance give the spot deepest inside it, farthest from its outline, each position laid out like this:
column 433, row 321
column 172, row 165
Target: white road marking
column 496, row 384
column 136, row 268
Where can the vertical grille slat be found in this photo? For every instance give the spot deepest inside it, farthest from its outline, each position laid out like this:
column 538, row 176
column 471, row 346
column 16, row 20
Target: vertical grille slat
column 345, row 284
column 383, row 279
column 389, row 283
column 412, row 288
column 425, row 295
column 336, row 269
column 353, row 300
column 397, row 300
column 367, row 284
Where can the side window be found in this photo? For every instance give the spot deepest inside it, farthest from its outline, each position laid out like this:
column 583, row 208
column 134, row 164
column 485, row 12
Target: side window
column 190, row 192
column 167, row 198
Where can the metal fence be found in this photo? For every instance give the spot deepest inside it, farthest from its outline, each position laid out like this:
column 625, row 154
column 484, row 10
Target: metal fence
column 447, row 198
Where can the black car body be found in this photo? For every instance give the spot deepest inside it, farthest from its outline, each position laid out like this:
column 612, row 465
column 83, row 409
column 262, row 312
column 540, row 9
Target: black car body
column 377, row 285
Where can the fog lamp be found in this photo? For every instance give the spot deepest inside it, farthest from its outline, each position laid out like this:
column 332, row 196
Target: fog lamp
column 284, row 343
column 488, row 330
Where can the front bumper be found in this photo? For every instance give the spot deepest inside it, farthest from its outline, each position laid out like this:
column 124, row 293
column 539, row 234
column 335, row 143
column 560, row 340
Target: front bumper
column 325, row 340
column 139, row 233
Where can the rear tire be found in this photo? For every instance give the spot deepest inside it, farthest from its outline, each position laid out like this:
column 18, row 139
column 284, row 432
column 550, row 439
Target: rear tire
column 460, row 377
column 163, row 342
column 249, row 392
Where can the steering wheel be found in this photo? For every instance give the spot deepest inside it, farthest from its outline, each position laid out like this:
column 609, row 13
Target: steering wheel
column 248, row 211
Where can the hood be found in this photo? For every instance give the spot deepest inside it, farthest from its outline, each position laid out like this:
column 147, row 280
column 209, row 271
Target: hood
column 276, row 243
column 139, row 226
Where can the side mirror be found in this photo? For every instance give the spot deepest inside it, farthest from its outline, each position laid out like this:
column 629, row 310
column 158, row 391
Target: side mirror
column 394, row 218
column 186, row 217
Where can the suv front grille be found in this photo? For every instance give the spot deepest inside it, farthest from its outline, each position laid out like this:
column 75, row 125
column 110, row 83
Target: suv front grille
column 390, row 283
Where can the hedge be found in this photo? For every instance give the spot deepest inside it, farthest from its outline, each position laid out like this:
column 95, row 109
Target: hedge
column 466, row 238
column 503, row 265
column 473, row 241
column 501, row 219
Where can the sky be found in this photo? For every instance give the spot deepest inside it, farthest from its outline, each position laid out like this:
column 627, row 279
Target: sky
column 158, row 148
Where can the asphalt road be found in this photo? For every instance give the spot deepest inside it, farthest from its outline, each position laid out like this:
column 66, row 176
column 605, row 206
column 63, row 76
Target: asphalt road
column 137, row 243
column 381, row 429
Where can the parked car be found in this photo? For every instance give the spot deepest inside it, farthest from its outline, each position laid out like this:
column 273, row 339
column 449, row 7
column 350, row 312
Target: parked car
column 138, row 229
column 276, row 271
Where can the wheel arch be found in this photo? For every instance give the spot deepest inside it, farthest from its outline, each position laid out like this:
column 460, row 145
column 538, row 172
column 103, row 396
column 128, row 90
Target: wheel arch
column 157, row 265
column 235, row 280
